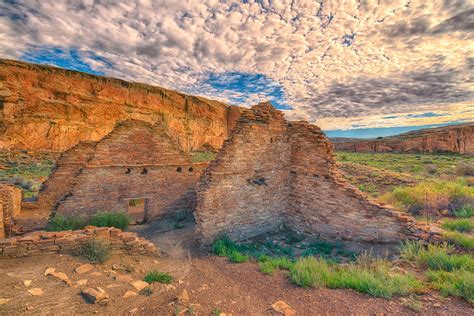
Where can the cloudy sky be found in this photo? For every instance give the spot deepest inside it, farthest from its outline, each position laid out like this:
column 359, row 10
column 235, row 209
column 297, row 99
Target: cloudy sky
column 371, row 67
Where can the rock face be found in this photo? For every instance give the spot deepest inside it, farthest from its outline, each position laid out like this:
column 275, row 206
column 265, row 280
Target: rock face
column 272, row 173
column 48, row 108
column 451, row 139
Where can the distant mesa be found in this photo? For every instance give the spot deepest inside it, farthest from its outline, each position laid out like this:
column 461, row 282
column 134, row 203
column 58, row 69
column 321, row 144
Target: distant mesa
column 447, row 139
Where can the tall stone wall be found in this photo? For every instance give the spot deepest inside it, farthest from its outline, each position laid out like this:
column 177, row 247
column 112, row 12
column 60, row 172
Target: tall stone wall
column 271, row 172
column 321, row 203
column 243, row 193
column 136, row 160
column 63, row 178
column 10, row 199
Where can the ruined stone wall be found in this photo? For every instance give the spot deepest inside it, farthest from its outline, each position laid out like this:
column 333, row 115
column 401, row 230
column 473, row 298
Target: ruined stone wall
column 49, row 108
column 69, row 242
column 64, row 177
column 271, row 172
column 10, row 198
column 136, row 160
column 322, row 204
column 244, row 191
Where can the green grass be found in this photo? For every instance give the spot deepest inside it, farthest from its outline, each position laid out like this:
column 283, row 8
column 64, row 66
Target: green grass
column 460, row 239
column 238, row 257
column 436, row 257
column 459, row 283
column 460, row 225
column 269, row 265
column 111, row 219
column 466, row 211
column 408, row 163
column 96, row 251
column 202, row 156
column 374, row 279
column 103, row 219
column 434, row 195
column 157, row 276
column 60, row 222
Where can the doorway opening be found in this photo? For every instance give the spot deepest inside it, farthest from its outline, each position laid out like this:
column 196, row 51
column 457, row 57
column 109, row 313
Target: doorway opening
column 137, row 209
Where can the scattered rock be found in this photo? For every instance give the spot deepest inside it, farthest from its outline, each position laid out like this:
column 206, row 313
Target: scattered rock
column 133, row 311
column 4, row 300
column 184, row 296
column 130, row 294
column 283, row 308
column 115, row 267
column 96, row 274
column 84, row 268
column 36, row 291
column 49, row 271
column 27, row 282
column 139, row 285
column 203, row 287
column 437, row 305
column 95, row 296
column 111, row 286
column 123, row 278
column 169, row 287
column 61, row 276
column 81, row 282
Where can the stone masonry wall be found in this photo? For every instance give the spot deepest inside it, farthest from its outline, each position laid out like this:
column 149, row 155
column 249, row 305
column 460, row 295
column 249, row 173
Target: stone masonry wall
column 271, row 172
column 10, row 198
column 136, row 160
column 244, row 191
column 69, row 242
column 323, row 204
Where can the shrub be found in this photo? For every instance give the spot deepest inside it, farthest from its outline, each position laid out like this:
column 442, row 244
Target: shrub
column 111, row 219
column 466, row 211
column 223, row 246
column 410, row 250
column 60, row 222
column 465, row 168
column 269, row 265
column 310, row 272
column 431, row 196
column 459, row 239
column 431, row 169
column 157, row 276
column 147, row 291
column 440, row 257
column 458, row 283
column 460, row 225
column 238, row 257
column 96, row 251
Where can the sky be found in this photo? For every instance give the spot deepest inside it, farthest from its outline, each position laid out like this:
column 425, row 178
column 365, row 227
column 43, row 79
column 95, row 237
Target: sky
column 355, row 68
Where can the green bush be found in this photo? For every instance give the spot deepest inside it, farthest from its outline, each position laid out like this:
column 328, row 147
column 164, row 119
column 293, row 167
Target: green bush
column 458, row 283
column 96, row 251
column 238, row 257
column 460, row 225
column 466, row 211
column 459, row 239
column 111, row 219
column 157, row 276
column 269, row 265
column 441, row 257
column 310, row 272
column 60, row 222
column 410, row 250
column 223, row 246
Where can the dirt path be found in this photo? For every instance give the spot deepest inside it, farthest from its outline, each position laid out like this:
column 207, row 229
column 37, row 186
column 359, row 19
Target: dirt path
column 212, row 284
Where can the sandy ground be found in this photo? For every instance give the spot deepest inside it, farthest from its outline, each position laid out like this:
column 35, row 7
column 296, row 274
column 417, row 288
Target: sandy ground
column 212, row 283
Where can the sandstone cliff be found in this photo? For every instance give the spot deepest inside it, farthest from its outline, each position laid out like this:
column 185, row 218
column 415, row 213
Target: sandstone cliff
column 452, row 139
column 49, row 108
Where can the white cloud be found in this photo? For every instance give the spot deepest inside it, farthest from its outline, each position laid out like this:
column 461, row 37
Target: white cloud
column 404, row 55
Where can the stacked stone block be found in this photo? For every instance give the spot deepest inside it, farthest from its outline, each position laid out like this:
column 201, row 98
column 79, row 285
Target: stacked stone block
column 70, row 242
column 10, row 199
column 272, row 173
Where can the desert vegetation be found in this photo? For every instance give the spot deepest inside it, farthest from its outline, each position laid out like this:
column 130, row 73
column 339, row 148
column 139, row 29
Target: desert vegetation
column 60, row 222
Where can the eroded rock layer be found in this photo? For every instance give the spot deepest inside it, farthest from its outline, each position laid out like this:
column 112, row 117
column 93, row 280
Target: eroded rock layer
column 48, row 108
column 449, row 139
